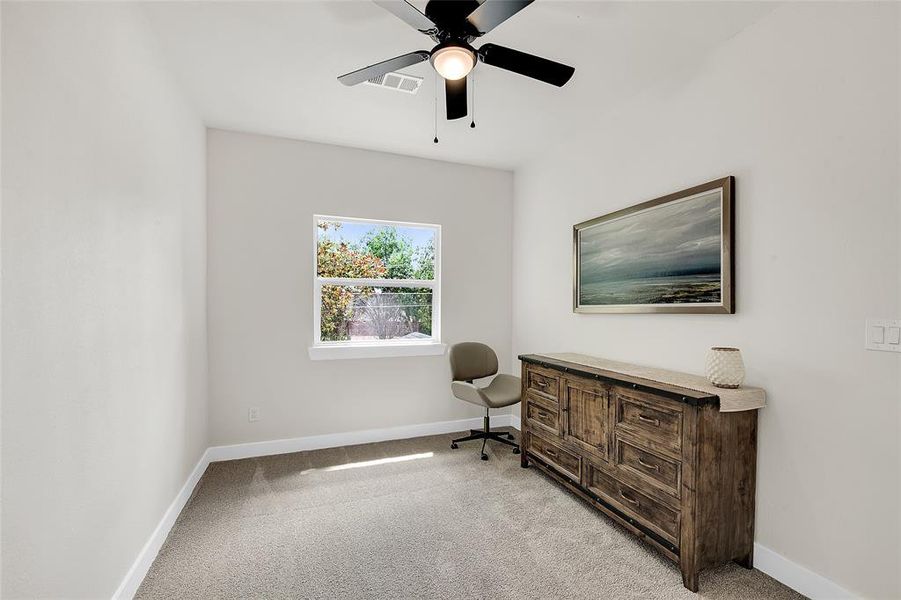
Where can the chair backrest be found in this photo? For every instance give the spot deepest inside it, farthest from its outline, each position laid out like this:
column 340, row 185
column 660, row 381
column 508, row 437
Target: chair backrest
column 472, row 360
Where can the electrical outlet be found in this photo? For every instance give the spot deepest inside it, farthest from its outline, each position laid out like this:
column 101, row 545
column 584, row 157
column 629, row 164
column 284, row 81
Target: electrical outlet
column 253, row 414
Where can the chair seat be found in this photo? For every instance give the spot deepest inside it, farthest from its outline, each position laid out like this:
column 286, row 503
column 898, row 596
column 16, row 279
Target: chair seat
column 504, row 390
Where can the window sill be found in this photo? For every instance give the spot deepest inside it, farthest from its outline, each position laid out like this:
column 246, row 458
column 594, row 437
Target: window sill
column 337, row 352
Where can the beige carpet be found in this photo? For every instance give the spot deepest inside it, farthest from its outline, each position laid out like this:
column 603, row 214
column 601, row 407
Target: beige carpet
column 441, row 524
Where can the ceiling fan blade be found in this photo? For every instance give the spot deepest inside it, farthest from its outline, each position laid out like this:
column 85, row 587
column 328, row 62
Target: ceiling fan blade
column 494, row 12
column 386, row 66
column 409, row 14
column 455, row 98
column 529, row 65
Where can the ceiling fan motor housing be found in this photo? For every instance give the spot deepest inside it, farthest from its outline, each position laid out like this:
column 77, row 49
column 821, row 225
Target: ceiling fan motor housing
column 450, row 17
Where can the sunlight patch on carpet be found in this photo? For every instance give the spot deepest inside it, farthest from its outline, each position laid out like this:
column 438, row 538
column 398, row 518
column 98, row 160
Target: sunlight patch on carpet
column 371, row 463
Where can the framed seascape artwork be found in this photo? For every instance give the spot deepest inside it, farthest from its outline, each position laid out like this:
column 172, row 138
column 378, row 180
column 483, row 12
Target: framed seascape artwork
column 669, row 255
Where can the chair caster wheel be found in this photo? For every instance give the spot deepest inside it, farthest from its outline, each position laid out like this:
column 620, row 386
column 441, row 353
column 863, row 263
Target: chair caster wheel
column 454, row 445
column 484, row 457
column 516, row 451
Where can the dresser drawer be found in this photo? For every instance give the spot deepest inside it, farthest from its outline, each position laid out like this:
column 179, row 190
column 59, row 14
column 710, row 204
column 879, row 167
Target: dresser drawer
column 658, row 421
column 562, row 460
column 541, row 416
column 650, row 513
column 658, row 470
column 543, row 382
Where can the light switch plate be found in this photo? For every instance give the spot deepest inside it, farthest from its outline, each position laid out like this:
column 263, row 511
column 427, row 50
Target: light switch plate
column 884, row 335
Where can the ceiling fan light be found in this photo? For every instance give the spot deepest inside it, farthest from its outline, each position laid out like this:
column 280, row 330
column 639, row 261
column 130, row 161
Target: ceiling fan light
column 453, row 62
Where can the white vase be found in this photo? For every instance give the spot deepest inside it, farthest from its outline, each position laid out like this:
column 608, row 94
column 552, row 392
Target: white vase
column 725, row 368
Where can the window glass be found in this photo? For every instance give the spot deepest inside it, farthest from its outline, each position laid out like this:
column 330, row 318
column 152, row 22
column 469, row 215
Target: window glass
column 375, row 281
column 375, row 250
column 356, row 313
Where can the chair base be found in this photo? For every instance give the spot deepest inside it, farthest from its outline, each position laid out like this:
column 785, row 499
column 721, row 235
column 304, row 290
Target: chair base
column 485, row 435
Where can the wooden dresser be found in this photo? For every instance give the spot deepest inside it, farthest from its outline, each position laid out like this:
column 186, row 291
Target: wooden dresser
column 662, row 460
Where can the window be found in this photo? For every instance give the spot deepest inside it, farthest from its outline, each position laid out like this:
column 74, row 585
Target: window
column 376, row 288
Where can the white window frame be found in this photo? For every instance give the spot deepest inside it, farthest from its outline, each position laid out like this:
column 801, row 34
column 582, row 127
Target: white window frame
column 328, row 350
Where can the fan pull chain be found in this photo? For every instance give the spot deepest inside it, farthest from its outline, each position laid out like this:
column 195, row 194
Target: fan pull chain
column 436, row 108
column 472, row 123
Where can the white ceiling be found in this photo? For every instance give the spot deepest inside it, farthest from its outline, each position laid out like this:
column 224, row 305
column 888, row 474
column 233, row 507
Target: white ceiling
column 271, row 68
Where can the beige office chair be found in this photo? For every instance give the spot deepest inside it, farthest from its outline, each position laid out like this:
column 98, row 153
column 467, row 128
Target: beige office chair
column 472, row 360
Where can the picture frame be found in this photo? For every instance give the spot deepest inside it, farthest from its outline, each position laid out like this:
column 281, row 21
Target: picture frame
column 672, row 254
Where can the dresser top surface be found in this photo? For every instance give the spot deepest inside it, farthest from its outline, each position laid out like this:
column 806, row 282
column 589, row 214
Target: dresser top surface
column 692, row 389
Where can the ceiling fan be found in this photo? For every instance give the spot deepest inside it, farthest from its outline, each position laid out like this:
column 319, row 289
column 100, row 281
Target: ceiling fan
column 454, row 25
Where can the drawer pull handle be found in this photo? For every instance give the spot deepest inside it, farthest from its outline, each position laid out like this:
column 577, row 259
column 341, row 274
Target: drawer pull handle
column 540, row 383
column 648, row 465
column 627, row 499
column 656, row 422
column 550, row 452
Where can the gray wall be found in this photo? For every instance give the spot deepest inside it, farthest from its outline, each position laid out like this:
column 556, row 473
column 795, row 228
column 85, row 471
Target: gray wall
column 103, row 326
column 263, row 193
column 803, row 108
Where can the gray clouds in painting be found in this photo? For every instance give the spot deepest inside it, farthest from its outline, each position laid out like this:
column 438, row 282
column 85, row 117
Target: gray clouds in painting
column 677, row 239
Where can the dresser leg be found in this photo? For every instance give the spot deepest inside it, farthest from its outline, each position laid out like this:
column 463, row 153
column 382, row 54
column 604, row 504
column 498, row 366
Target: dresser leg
column 746, row 561
column 690, row 580
column 523, row 444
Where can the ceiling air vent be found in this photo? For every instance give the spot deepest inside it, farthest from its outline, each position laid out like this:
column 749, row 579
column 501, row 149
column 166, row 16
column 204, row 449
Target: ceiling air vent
column 400, row 82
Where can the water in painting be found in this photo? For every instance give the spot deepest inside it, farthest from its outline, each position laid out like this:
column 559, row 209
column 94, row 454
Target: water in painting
column 668, row 254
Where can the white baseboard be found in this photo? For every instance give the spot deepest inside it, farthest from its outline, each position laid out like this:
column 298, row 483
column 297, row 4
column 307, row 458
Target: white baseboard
column 776, row 566
column 334, row 440
column 801, row 579
column 147, row 555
